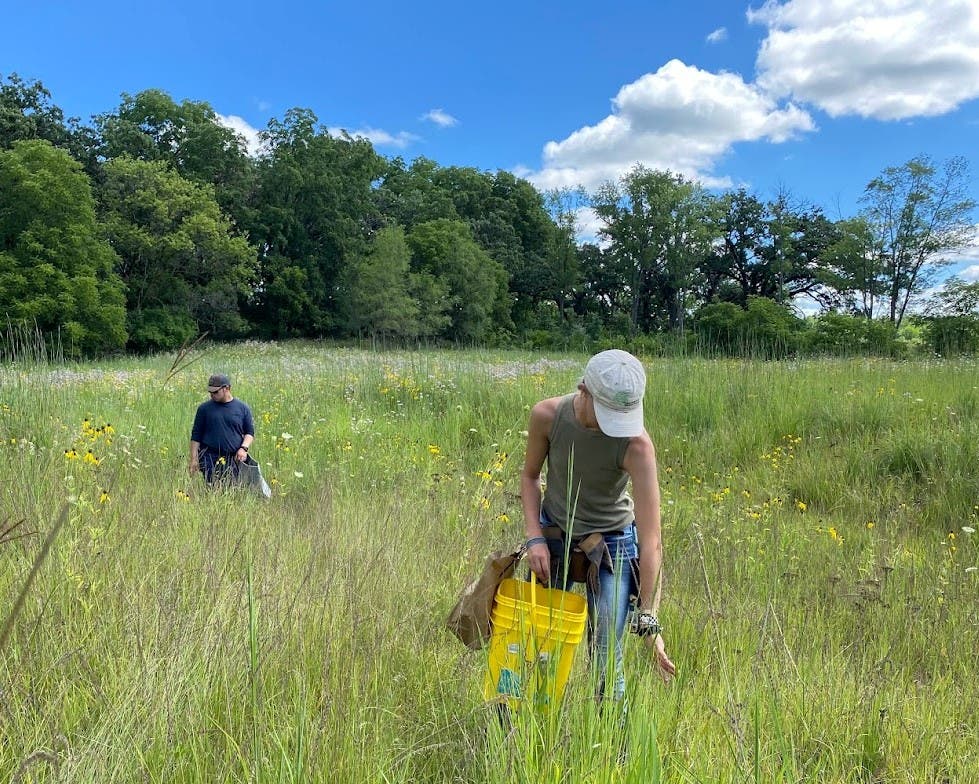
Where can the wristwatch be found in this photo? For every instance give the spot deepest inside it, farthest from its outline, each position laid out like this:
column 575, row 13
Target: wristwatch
column 646, row 624
column 243, row 447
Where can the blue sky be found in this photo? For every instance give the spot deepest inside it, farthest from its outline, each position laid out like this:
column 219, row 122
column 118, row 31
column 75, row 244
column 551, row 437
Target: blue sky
column 812, row 96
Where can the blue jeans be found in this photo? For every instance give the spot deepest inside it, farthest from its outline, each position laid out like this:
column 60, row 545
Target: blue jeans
column 608, row 609
column 217, row 467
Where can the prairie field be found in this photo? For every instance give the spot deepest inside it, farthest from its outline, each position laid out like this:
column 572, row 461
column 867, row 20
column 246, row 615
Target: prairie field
column 820, row 590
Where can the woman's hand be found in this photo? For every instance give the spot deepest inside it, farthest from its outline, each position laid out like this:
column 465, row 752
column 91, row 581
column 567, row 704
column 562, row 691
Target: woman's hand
column 665, row 667
column 539, row 560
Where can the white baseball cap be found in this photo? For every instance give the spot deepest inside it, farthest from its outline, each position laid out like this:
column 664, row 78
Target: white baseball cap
column 616, row 381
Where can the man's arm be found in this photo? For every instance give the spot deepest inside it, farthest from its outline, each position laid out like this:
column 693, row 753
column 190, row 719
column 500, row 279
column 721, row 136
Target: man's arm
column 246, row 441
column 538, row 441
column 247, row 436
column 196, row 437
column 195, row 465
column 248, row 432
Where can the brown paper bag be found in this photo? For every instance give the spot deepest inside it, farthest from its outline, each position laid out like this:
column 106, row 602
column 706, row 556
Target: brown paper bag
column 470, row 619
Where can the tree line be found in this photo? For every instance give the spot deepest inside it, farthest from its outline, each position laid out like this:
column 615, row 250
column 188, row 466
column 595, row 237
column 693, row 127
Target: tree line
column 150, row 224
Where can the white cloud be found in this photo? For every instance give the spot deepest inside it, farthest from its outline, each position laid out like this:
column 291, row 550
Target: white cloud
column 240, row 126
column 441, row 118
column 587, row 226
column 963, row 264
column 970, row 273
column 720, row 34
column 378, row 137
column 680, row 118
column 806, row 306
column 886, row 59
column 965, row 261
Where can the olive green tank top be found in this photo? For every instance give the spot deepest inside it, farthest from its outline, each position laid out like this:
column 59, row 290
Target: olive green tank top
column 585, row 476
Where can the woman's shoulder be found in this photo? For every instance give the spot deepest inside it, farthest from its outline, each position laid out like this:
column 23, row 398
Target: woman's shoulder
column 547, row 409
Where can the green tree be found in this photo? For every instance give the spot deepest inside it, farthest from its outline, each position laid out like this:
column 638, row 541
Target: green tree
column 26, row 112
column 917, row 214
column 409, row 195
column 661, row 226
column 564, row 206
column 151, row 126
column 382, row 291
column 775, row 250
column 431, row 295
column 956, row 297
column 313, row 212
column 506, row 217
column 476, row 285
column 56, row 269
column 854, row 270
column 184, row 268
column 951, row 318
column 732, row 271
column 513, row 225
column 800, row 235
column 603, row 292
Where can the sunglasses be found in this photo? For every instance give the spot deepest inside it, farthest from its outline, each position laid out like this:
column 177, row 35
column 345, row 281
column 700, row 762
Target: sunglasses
column 214, row 391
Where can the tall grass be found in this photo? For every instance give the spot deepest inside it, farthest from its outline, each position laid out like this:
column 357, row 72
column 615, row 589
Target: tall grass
column 820, row 596
column 26, row 344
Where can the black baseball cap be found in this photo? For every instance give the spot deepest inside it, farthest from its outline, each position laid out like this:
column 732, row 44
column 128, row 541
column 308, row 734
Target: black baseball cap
column 218, row 380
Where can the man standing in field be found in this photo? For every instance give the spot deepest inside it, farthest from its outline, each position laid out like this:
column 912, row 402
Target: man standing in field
column 222, row 433
column 594, row 442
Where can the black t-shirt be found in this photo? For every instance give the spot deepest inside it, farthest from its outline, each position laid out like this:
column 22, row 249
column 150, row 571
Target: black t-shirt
column 222, row 426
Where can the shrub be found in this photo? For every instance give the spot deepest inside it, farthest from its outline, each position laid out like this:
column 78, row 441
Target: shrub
column 845, row 335
column 765, row 328
column 949, row 335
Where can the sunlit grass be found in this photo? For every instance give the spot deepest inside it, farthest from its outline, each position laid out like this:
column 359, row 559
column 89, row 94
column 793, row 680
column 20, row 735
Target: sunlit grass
column 820, row 599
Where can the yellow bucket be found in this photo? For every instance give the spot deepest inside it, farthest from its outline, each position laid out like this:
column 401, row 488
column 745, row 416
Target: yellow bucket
column 536, row 632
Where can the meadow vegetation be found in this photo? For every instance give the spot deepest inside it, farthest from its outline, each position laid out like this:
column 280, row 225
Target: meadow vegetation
column 820, row 596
